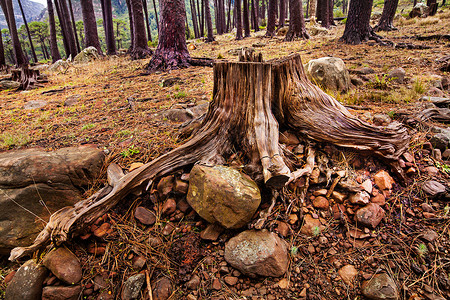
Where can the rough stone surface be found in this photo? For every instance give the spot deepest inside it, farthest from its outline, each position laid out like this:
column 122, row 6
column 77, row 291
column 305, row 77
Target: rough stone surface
column 257, row 253
column 441, row 140
column 64, row 265
column 145, row 216
column 132, row 287
column 59, row 65
column 397, row 75
column 360, row 198
column 380, row 287
column 420, row 10
column 72, row 100
column 27, row 282
column 330, row 72
column 433, row 188
column 370, row 215
column 311, row 226
column 30, row 177
column 162, row 289
column 383, row 180
column 348, row 274
column 222, row 195
column 35, row 104
column 9, row 85
column 321, row 202
column 381, row 119
column 61, row 292
column 86, row 55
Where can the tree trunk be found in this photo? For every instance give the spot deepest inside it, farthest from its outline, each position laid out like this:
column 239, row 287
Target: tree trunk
column 156, row 15
column 202, row 17
column 432, row 7
column 297, row 27
column 140, row 47
column 74, row 26
column 68, row 30
column 387, row 17
column 8, row 12
column 172, row 52
column 147, row 20
column 62, row 24
column 209, row 26
column 194, row 19
column 228, row 27
column 282, row 9
column 2, row 53
column 357, row 29
column 130, row 18
column 324, row 12
column 238, row 16
column 90, row 26
column 271, row 18
column 312, row 9
column 251, row 100
column 28, row 32
column 246, row 19
column 109, row 26
column 255, row 15
column 52, row 26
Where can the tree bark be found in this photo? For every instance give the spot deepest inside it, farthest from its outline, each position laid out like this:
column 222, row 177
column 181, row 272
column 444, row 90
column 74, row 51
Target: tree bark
column 194, row 19
column 140, row 47
column 357, row 29
column 209, row 26
column 324, row 13
column 255, row 15
column 156, row 15
column 312, row 9
column 90, row 26
column 28, row 32
column 2, row 53
column 147, row 20
column 237, row 10
column 282, row 9
column 109, row 26
column 432, row 7
column 74, row 26
column 67, row 28
column 297, row 27
column 52, row 28
column 251, row 100
column 271, row 18
column 202, row 17
column 8, row 12
column 130, row 18
column 62, row 25
column 387, row 16
column 172, row 52
column 246, row 19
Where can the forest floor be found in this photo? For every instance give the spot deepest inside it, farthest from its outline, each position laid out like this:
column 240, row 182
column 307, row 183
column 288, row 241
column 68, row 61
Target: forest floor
column 115, row 104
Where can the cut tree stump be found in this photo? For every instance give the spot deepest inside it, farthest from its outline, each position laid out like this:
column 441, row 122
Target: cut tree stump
column 251, row 100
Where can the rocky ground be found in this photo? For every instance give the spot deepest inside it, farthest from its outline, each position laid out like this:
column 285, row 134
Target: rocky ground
column 355, row 229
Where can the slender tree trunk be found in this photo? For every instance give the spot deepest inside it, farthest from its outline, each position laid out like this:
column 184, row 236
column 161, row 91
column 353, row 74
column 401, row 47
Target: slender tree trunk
column 237, row 9
column 140, row 46
column 109, row 26
column 201, row 16
column 246, row 19
column 297, row 27
column 312, row 9
column 147, row 20
column 229, row 17
column 2, row 53
column 263, row 10
column 44, row 49
column 271, row 18
column 254, row 15
column 62, row 24
column 74, row 26
column 433, row 6
column 52, row 26
column 282, row 9
column 209, row 25
column 130, row 17
column 156, row 15
column 90, row 26
column 387, row 17
column 172, row 52
column 194, row 19
column 8, row 11
column 357, row 28
column 28, row 32
column 68, row 27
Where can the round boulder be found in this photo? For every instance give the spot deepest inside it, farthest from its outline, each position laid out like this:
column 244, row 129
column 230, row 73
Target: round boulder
column 329, row 72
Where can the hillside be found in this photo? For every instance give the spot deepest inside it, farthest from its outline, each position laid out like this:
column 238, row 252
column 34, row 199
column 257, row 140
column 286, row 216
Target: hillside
column 32, row 10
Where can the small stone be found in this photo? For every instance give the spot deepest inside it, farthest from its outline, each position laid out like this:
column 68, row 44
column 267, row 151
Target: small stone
column 162, row 289
column 100, row 282
column 428, row 215
column 383, row 180
column 168, row 229
column 102, row 230
column 446, row 154
column 211, row 232
column 181, row 187
column 408, row 157
column 64, row 265
column 35, row 104
column 170, row 81
column 433, row 188
column 379, row 199
column 348, row 274
column 169, row 207
column 139, row 262
column 427, row 207
column 61, row 293
column 430, row 170
column 370, row 215
column 302, row 294
column 321, row 202
column 145, row 216
column 27, row 282
column 429, row 235
column 367, row 186
column 231, row 280
column 311, row 226
column 380, row 287
column 216, row 285
column 321, row 192
column 283, row 283
column 292, row 219
column 9, row 277
column 135, row 166
column 397, row 75
column 283, row 228
column 132, row 287
column 165, row 186
column 381, row 120
column 72, row 100
column 338, row 212
column 339, row 197
column 360, row 198
column 437, row 154
column 193, row 283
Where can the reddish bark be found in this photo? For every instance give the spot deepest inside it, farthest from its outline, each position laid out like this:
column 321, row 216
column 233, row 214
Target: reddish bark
column 109, row 26
column 90, row 25
column 207, row 16
column 387, row 17
column 246, row 19
column 357, row 28
column 8, row 11
column 52, row 26
column 140, row 47
column 271, row 18
column 297, row 22
column 237, row 10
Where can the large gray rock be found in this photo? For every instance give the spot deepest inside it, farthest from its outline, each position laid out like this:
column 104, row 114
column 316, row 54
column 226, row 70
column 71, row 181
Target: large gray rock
column 441, row 140
column 255, row 253
column 132, row 287
column 223, row 195
column 420, row 10
column 34, row 182
column 329, row 72
column 9, row 85
column 27, row 282
column 380, row 287
column 86, row 55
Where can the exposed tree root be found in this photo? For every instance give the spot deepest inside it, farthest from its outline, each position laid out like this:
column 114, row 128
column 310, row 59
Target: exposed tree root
column 251, row 99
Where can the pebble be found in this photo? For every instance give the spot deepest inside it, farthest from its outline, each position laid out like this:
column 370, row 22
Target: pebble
column 383, row 180
column 370, row 215
column 321, row 202
column 194, row 282
column 348, row 274
column 145, row 216
column 216, row 285
column 169, row 207
column 231, row 280
column 27, row 282
column 64, row 265
column 61, row 292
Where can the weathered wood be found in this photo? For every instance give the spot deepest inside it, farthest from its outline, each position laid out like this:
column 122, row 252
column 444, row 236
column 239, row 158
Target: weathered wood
column 251, row 99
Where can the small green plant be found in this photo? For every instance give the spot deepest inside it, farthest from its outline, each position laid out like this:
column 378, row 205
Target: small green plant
column 316, row 230
column 87, row 126
column 8, row 140
column 444, row 167
column 130, row 151
column 123, row 133
column 381, row 84
column 418, row 86
column 391, row 114
column 294, row 250
column 220, row 56
column 422, row 249
column 180, row 94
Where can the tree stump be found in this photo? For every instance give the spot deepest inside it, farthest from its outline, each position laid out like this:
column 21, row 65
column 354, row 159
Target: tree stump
column 251, row 100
